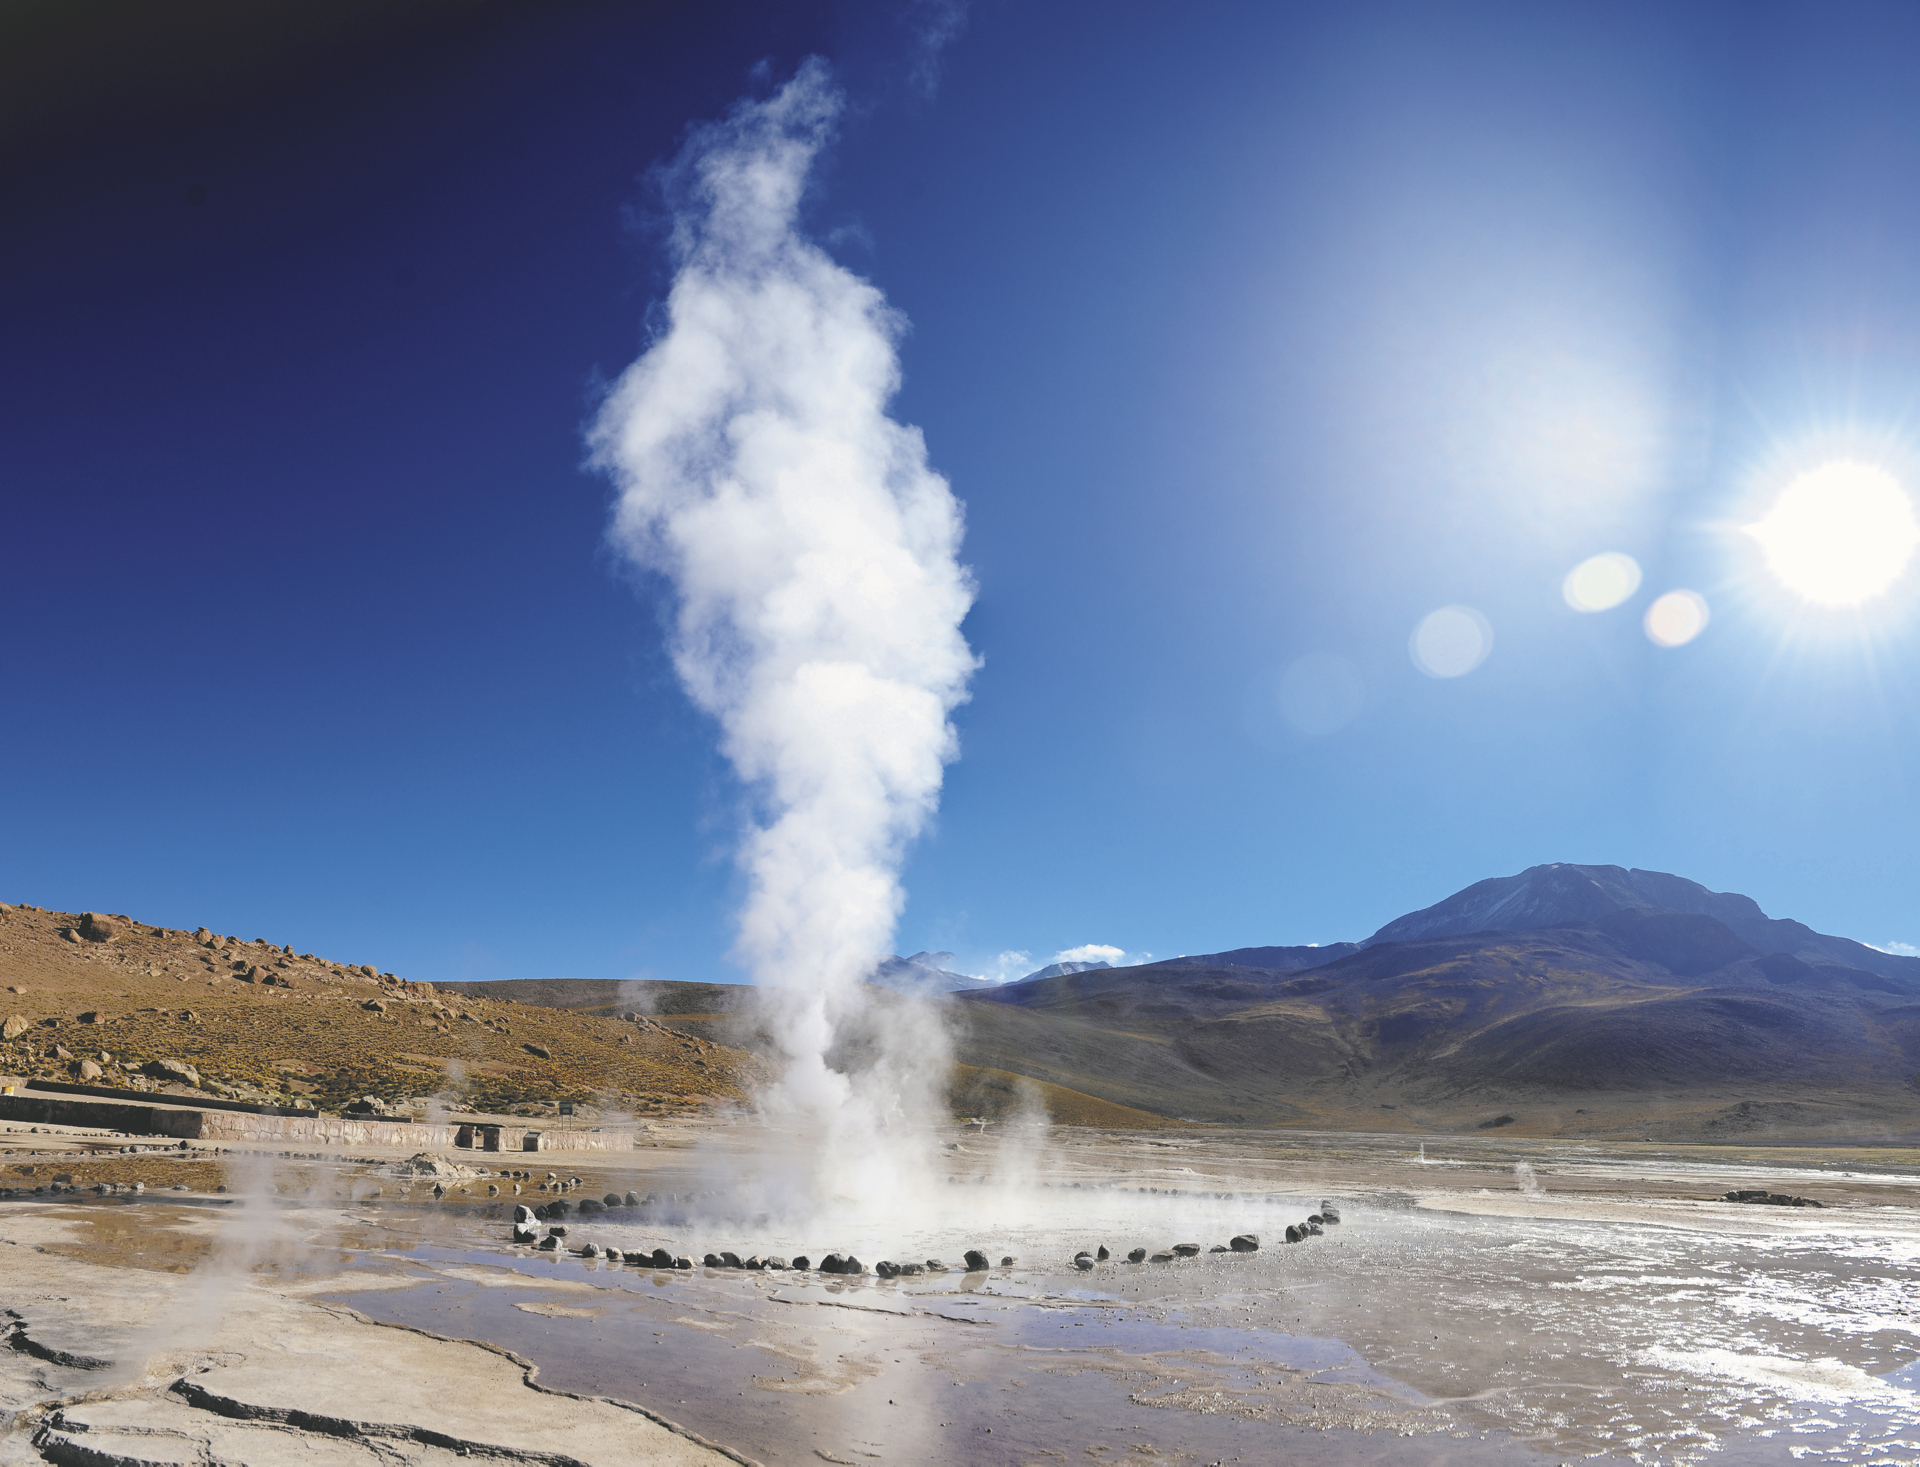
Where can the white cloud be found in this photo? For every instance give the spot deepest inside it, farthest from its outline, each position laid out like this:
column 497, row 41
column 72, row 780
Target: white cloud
column 1091, row 952
column 1898, row 949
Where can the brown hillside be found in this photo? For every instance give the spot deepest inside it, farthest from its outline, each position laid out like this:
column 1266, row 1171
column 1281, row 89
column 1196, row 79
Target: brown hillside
column 86, row 993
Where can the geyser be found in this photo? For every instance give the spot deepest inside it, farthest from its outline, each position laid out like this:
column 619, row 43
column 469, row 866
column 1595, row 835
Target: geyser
column 812, row 552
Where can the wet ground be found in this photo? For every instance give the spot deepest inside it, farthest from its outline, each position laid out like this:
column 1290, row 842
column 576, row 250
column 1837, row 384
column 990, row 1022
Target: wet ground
column 1518, row 1301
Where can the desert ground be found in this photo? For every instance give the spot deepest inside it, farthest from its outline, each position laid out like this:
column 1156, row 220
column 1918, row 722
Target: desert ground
column 1495, row 1299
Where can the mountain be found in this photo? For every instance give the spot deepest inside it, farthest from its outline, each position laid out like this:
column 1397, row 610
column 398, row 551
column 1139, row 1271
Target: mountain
column 1563, row 895
column 1566, row 1000
column 924, row 973
column 1269, row 957
column 1056, row 970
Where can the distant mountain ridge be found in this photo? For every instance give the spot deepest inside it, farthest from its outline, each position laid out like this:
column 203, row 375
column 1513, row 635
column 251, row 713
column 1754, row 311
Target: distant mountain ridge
column 1562, row 895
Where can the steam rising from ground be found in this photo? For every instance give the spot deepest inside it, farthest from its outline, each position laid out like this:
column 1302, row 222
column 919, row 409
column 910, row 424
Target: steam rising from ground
column 813, row 553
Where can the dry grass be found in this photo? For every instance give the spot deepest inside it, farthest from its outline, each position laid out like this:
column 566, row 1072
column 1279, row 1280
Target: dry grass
column 310, row 1036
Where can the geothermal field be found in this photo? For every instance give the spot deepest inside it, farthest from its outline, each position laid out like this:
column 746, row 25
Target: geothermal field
column 1480, row 1299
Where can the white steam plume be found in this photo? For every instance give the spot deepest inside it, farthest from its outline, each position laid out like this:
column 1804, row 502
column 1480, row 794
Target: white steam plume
column 813, row 553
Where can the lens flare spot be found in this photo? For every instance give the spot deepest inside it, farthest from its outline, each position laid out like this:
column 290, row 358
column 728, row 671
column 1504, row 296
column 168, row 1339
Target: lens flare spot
column 1320, row 694
column 1676, row 618
column 1602, row 582
column 1451, row 642
column 1839, row 534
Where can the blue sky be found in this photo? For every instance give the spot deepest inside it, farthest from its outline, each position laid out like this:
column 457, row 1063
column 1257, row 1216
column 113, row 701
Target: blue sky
column 1245, row 336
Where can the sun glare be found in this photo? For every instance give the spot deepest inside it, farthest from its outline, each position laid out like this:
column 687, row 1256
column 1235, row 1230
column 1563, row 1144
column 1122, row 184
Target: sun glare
column 1839, row 534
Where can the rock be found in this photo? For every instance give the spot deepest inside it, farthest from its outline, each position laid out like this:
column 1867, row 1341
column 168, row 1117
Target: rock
column 538, row 1051
column 523, row 1213
column 590, row 1250
column 1138, row 1255
column 853, row 1266
column 70, row 935
column 559, row 1231
column 753, row 1263
column 374, row 1006
column 171, row 1070
column 712, row 1260
column 588, row 1206
column 613, row 1199
column 91, row 1016
column 61, row 1052
column 525, row 1232
column 729, row 1260
column 559, row 1207
column 833, row 1263
column 86, row 1070
column 976, row 1261
column 1312, row 1229
column 14, row 1027
column 1161, row 1258
column 660, row 1258
column 683, row 1264
column 549, row 1244
column 1102, row 1253
column 934, row 1265
column 777, row 1263
column 1329, row 1213
column 1083, row 1262
column 1294, row 1233
column 1771, row 1199
column 802, row 1263
column 1245, row 1243
column 1219, row 1248
column 439, row 1190
column 887, row 1269
column 1314, row 1220
column 1186, row 1250
column 96, row 928
column 1007, row 1261
column 632, row 1199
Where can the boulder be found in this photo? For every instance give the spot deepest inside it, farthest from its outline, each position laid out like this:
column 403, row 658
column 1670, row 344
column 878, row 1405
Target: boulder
column 549, row 1244
column 934, row 1265
column 86, row 1070
column 171, row 1070
column 887, row 1269
column 833, row 1263
column 522, row 1213
column 70, row 935
column 683, row 1264
column 1311, row 1229
column 96, row 928
column 374, row 1006
column 538, row 1051
column 1294, row 1233
column 853, row 1266
column 91, row 1016
column 729, row 1259
column 632, row 1199
column 1245, row 1243
column 588, row 1206
column 1161, row 1258
column 1186, row 1250
column 613, row 1199
column 802, row 1263
column 14, row 1027
column 1329, row 1213
column 590, row 1250
column 1102, row 1254
column 660, row 1258
column 1314, row 1220
column 912, row 1268
column 976, row 1261
column 712, row 1260
column 1138, row 1255
column 558, row 1231
column 61, row 1052
column 1219, row 1248
column 525, row 1232
column 1083, row 1262
column 1007, row 1261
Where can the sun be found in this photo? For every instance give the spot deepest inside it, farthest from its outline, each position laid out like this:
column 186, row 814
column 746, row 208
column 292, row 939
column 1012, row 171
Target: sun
column 1839, row 534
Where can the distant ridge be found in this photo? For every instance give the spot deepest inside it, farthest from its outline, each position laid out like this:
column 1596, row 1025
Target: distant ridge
column 1561, row 895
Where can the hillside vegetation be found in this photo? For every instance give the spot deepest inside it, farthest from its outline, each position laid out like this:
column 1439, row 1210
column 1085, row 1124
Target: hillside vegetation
column 103, row 999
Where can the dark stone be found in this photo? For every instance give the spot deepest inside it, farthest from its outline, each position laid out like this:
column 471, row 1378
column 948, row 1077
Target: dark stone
column 712, row 1260
column 1245, row 1243
column 753, row 1261
column 803, row 1263
column 977, row 1261
column 934, row 1265
column 1186, row 1250
column 540, row 1212
column 1329, row 1213
column 1219, row 1248
column 1083, row 1261
column 1313, row 1229
column 613, row 1199
column 588, row 1207
column 1102, row 1253
column 683, row 1264
column 887, row 1269
column 1007, row 1261
column 1294, row 1234
column 833, row 1263
column 1315, row 1220
column 523, row 1213
column 1161, row 1258
column 590, row 1250
column 776, row 1263
column 549, row 1244
column 524, row 1232
column 557, row 1232
column 559, row 1207
column 729, row 1259
column 853, row 1266
column 662, row 1258
column 1138, row 1255
column 910, row 1268
column 632, row 1199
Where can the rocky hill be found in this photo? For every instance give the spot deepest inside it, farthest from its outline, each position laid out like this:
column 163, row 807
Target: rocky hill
column 108, row 1000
